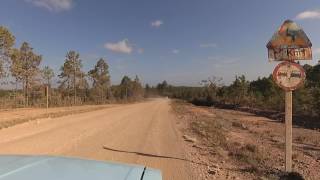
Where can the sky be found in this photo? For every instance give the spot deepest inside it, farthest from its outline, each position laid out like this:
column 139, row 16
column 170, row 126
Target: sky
column 181, row 41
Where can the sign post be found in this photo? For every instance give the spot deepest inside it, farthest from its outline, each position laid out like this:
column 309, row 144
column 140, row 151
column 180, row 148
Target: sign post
column 289, row 44
column 288, row 123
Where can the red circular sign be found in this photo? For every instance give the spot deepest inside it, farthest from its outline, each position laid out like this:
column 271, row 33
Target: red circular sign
column 289, row 75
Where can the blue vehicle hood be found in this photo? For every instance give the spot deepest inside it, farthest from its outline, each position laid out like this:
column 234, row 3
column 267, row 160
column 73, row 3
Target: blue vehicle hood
column 60, row 168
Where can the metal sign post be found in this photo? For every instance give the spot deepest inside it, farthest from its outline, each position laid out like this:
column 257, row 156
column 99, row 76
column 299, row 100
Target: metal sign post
column 289, row 44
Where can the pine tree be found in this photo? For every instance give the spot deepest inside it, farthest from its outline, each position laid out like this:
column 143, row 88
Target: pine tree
column 47, row 75
column 137, row 88
column 101, row 81
column 25, row 67
column 72, row 78
column 125, row 87
column 7, row 40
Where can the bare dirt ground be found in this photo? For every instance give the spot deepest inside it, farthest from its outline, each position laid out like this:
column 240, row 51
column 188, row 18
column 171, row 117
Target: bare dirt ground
column 184, row 141
column 142, row 133
column 238, row 145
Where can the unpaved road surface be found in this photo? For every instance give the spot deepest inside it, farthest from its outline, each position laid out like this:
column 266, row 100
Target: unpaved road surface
column 141, row 133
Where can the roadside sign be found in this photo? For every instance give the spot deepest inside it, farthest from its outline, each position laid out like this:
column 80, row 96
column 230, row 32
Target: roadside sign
column 289, row 43
column 289, row 75
column 291, row 54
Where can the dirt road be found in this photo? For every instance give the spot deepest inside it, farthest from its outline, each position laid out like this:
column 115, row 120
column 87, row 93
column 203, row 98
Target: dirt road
column 142, row 133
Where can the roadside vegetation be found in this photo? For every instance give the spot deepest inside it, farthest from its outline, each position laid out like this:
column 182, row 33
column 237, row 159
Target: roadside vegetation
column 261, row 96
column 236, row 144
column 27, row 80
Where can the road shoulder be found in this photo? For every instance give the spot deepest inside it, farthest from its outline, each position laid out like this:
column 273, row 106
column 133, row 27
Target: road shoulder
column 237, row 145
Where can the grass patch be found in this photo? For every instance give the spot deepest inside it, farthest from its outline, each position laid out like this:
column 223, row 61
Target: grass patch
column 247, row 154
column 13, row 122
column 212, row 131
column 300, row 139
column 239, row 125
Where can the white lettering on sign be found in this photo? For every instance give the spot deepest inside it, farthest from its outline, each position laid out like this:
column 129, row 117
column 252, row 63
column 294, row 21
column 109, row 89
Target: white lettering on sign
column 288, row 54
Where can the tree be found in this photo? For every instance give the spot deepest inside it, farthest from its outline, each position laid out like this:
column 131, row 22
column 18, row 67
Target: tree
column 125, row 87
column 7, row 40
column 162, row 87
column 101, row 81
column 238, row 90
column 313, row 75
column 316, row 101
column 137, row 88
column 147, row 87
column 211, row 87
column 147, row 90
column 71, row 74
column 266, row 93
column 25, row 67
column 47, row 75
column 129, row 89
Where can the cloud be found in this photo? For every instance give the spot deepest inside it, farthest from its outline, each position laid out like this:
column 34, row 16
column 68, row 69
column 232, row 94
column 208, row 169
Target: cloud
column 176, row 51
column 156, row 23
column 123, row 46
column 52, row 5
column 209, row 45
column 309, row 15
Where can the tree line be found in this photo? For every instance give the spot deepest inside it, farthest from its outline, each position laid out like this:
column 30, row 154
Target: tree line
column 261, row 93
column 21, row 68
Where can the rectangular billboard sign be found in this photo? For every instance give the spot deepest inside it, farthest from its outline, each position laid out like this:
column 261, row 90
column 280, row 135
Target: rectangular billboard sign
column 289, row 54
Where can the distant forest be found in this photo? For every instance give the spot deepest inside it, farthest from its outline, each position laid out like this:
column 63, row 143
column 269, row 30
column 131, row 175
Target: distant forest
column 21, row 67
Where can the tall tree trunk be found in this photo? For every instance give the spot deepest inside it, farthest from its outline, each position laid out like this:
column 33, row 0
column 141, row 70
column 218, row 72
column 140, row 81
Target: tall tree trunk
column 74, row 89
column 15, row 93
column 68, row 88
column 47, row 92
column 74, row 83
column 26, row 93
column 126, row 93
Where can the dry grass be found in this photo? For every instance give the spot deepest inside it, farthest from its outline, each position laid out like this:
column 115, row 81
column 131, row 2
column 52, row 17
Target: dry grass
column 249, row 155
column 213, row 130
column 15, row 121
column 252, row 147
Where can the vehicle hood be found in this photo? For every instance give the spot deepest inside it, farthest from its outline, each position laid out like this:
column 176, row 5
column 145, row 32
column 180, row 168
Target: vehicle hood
column 61, row 168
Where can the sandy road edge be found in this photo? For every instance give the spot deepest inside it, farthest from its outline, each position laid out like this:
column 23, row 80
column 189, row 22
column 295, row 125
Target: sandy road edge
column 16, row 121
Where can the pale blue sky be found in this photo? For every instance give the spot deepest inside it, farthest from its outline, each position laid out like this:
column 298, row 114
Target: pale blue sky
column 182, row 41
